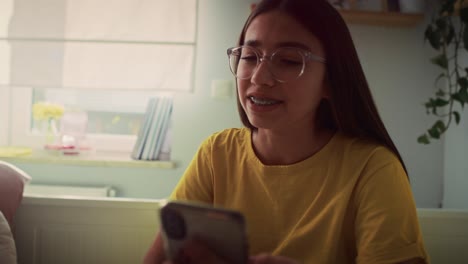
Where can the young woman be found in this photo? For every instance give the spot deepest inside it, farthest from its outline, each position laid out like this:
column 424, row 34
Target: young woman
column 314, row 171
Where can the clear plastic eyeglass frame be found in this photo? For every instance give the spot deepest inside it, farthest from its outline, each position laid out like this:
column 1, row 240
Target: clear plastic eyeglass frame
column 234, row 54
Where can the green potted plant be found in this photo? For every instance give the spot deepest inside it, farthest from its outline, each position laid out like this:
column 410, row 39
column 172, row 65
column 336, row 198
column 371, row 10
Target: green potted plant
column 447, row 33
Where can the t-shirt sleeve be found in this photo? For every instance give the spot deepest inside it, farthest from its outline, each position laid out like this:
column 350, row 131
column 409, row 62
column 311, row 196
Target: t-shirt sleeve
column 197, row 182
column 386, row 226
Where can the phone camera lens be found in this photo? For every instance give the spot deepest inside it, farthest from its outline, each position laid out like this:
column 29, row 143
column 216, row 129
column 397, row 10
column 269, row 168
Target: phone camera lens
column 173, row 223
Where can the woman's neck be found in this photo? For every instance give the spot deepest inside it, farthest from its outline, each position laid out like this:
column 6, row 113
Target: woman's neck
column 288, row 146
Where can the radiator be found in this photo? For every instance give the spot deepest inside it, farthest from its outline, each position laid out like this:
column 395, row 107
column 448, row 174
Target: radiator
column 62, row 190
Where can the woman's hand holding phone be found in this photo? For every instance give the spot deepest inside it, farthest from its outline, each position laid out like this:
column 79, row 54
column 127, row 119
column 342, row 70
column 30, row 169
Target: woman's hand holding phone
column 195, row 252
column 269, row 259
column 195, row 231
column 199, row 233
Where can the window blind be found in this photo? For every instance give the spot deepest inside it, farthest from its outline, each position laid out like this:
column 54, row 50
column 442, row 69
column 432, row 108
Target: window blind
column 107, row 44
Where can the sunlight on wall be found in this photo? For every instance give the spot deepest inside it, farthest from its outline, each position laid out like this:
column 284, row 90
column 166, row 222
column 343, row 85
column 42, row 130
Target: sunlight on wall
column 5, row 56
column 6, row 11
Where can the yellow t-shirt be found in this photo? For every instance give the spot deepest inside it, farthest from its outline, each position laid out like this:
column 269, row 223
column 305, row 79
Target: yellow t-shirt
column 351, row 202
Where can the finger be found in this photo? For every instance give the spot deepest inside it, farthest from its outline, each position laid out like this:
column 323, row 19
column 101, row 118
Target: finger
column 197, row 252
column 180, row 258
column 261, row 259
column 269, row 259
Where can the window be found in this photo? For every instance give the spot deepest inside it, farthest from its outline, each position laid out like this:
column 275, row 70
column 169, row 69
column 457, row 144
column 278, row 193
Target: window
column 104, row 57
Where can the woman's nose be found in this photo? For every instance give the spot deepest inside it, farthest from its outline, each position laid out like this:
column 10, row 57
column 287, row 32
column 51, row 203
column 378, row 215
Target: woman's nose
column 262, row 74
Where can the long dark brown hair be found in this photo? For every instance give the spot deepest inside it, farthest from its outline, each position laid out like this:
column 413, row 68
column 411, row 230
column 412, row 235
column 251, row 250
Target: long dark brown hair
column 350, row 107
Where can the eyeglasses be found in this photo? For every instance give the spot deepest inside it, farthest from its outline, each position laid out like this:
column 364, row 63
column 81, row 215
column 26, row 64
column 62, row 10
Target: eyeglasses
column 285, row 64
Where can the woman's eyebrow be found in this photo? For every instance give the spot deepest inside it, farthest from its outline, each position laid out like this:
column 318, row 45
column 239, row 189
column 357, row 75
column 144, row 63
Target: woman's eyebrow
column 256, row 43
column 252, row 43
column 293, row 44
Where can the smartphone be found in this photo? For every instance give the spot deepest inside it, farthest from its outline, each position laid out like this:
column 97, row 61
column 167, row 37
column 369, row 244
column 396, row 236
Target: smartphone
column 222, row 230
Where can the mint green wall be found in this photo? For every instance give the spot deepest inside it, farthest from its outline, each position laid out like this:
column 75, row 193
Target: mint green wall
column 196, row 115
column 455, row 174
column 396, row 63
column 456, row 164
column 129, row 182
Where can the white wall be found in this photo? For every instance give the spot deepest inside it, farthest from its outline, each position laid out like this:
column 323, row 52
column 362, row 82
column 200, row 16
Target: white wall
column 456, row 165
column 197, row 115
column 5, row 8
column 396, row 63
column 4, row 114
column 394, row 59
column 455, row 194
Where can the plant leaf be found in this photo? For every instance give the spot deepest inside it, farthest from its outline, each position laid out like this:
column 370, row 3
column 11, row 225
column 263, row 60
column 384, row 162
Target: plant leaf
column 463, row 82
column 440, row 60
column 464, row 94
column 450, row 34
column 440, row 125
column 457, row 116
column 465, row 38
column 430, row 105
column 461, row 96
column 433, row 104
column 447, row 6
column 457, row 97
column 437, row 129
column 440, row 93
column 440, row 76
column 423, row 139
column 464, row 15
column 434, row 36
column 443, row 29
column 438, row 102
column 434, row 133
column 441, row 23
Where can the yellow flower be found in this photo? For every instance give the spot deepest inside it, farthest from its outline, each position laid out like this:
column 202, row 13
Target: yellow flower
column 46, row 110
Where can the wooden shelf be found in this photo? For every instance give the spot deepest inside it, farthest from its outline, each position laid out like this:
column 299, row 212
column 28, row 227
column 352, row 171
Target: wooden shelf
column 388, row 19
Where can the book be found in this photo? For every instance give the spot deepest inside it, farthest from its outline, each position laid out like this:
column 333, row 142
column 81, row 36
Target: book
column 153, row 132
column 162, row 127
column 144, row 130
column 165, row 152
column 149, row 141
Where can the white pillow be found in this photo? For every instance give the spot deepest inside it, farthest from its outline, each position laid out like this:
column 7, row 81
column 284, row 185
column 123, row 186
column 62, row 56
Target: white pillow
column 7, row 244
column 24, row 176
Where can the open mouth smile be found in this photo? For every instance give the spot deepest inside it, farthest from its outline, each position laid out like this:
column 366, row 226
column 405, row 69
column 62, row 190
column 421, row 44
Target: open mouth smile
column 263, row 101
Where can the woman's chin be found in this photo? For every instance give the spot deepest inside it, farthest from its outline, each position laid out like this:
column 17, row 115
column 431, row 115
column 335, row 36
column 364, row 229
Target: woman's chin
column 262, row 123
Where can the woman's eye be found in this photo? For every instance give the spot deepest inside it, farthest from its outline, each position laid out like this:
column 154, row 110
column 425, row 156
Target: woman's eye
column 249, row 58
column 290, row 62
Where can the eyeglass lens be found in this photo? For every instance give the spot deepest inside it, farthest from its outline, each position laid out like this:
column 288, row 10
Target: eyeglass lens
column 285, row 64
